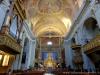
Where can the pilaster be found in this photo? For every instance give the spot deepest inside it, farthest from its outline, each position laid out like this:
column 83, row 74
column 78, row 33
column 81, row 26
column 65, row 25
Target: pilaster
column 68, row 53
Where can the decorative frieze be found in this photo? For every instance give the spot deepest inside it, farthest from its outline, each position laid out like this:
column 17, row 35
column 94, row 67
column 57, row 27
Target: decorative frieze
column 8, row 41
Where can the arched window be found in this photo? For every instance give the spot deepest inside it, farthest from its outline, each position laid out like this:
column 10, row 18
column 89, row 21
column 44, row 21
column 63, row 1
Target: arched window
column 13, row 27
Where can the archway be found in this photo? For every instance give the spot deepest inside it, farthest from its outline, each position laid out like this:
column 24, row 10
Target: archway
column 91, row 28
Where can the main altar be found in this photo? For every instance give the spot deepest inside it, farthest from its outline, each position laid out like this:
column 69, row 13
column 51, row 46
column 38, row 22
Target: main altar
column 49, row 62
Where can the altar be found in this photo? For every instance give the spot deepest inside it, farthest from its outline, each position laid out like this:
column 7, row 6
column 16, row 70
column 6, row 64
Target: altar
column 49, row 62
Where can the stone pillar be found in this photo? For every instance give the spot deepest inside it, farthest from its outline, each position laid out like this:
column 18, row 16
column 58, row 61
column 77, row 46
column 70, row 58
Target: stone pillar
column 28, row 57
column 32, row 57
column 16, row 62
column 31, row 54
column 40, row 52
column 27, row 50
column 68, row 53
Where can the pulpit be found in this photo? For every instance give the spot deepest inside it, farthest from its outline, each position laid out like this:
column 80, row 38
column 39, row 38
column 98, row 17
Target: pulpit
column 77, row 59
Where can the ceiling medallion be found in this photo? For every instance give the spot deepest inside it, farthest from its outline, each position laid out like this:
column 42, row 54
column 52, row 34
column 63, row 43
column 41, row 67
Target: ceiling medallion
column 49, row 6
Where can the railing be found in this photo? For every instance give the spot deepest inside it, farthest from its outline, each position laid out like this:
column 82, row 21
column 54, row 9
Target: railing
column 94, row 43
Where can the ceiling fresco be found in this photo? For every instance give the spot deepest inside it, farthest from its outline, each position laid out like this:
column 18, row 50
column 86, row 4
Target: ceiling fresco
column 51, row 17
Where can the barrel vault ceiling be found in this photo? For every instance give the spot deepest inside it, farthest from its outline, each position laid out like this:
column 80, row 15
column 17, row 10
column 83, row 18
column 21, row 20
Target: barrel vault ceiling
column 51, row 17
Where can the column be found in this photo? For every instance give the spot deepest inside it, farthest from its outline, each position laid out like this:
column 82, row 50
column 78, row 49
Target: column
column 40, row 51
column 32, row 58
column 16, row 62
column 27, row 50
column 29, row 55
column 68, row 53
